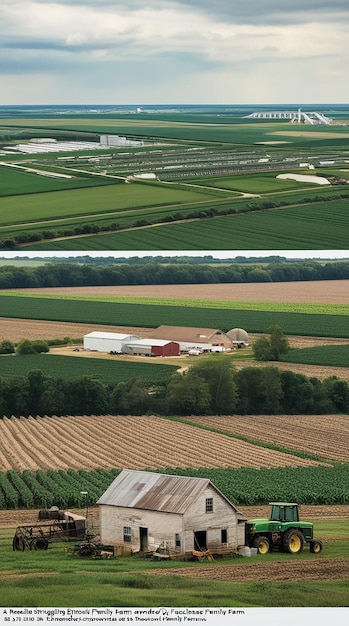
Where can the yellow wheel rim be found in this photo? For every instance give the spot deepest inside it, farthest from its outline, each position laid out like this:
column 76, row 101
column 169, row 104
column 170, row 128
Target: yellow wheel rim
column 263, row 547
column 317, row 547
column 295, row 543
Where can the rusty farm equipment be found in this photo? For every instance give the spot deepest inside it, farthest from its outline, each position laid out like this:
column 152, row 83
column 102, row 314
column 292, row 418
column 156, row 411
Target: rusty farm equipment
column 53, row 525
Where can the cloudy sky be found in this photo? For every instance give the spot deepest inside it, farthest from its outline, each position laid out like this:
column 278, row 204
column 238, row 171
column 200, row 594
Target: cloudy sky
column 180, row 51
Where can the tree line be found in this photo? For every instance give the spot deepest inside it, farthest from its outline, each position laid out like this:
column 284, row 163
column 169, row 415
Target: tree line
column 152, row 273
column 210, row 387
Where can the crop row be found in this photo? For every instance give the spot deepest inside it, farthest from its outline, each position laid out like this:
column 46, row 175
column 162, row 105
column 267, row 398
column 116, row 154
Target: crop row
column 305, row 485
column 232, row 305
column 68, row 368
column 336, row 356
column 151, row 316
column 309, row 227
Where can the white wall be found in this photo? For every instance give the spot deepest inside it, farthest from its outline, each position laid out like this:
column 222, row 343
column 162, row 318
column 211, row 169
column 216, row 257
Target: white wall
column 162, row 527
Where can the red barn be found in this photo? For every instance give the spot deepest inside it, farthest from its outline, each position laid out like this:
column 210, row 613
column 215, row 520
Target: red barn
column 152, row 347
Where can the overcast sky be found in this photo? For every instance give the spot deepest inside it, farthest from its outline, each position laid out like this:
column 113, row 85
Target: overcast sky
column 164, row 51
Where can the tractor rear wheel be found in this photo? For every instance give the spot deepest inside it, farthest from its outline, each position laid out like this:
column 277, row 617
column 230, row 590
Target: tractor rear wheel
column 262, row 544
column 293, row 541
column 316, row 546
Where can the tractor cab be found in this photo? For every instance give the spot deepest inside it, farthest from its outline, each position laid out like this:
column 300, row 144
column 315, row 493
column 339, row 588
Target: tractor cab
column 284, row 512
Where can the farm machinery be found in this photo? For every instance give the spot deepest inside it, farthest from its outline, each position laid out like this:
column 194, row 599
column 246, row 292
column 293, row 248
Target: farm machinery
column 283, row 531
column 53, row 525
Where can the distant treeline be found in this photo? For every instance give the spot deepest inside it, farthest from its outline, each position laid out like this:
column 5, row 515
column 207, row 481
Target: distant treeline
column 150, row 273
column 212, row 387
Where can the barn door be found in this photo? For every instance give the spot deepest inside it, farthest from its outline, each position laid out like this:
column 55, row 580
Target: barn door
column 143, row 539
column 200, row 540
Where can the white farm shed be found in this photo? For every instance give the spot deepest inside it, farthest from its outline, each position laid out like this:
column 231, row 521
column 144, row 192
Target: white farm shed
column 106, row 342
column 148, row 511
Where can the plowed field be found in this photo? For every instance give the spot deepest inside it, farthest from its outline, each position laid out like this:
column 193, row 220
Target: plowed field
column 135, row 442
column 325, row 435
column 295, row 571
column 16, row 329
column 317, row 291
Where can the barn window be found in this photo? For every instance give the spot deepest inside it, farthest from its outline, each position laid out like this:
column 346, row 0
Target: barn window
column 209, row 505
column 224, row 535
column 178, row 540
column 127, row 534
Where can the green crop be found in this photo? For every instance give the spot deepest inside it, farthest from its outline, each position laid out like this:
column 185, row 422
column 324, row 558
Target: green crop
column 151, row 316
column 244, row 486
column 69, row 368
column 335, row 356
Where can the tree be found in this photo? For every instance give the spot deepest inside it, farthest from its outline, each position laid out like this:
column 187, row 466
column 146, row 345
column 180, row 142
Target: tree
column 7, row 347
column 25, row 347
column 273, row 347
column 297, row 393
column 188, row 394
column 262, row 349
column 260, row 390
column 337, row 391
column 217, row 372
column 278, row 342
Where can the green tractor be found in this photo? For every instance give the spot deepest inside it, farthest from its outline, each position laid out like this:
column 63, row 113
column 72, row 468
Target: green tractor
column 282, row 531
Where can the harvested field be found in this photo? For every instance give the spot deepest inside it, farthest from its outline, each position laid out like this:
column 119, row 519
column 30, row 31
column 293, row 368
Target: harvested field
column 319, row 371
column 90, row 442
column 14, row 329
column 323, row 435
column 277, row 571
column 317, row 291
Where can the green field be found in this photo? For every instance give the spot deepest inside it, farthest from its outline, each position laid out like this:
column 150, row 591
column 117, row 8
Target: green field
column 95, row 200
column 203, row 156
column 68, row 368
column 17, row 183
column 147, row 315
column 57, row 578
column 311, row 308
column 319, row 225
column 336, row 356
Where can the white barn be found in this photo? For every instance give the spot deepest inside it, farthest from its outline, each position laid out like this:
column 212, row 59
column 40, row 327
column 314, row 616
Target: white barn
column 147, row 511
column 107, row 342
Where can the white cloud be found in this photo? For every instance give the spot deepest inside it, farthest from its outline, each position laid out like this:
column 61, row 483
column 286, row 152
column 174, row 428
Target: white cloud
column 94, row 37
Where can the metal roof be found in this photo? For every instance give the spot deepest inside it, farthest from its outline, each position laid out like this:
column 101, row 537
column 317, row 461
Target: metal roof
column 105, row 335
column 156, row 492
column 183, row 333
column 151, row 342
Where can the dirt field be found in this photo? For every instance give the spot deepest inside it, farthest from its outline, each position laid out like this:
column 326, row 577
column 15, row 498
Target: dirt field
column 300, row 570
column 91, row 442
column 319, row 371
column 320, row 291
column 309, row 433
column 16, row 329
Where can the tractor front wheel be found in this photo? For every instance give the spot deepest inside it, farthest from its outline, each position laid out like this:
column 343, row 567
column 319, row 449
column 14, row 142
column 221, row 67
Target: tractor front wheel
column 262, row 544
column 293, row 541
column 316, row 546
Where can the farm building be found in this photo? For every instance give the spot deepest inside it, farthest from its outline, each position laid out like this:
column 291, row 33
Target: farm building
column 152, row 347
column 238, row 337
column 148, row 511
column 107, row 342
column 193, row 338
